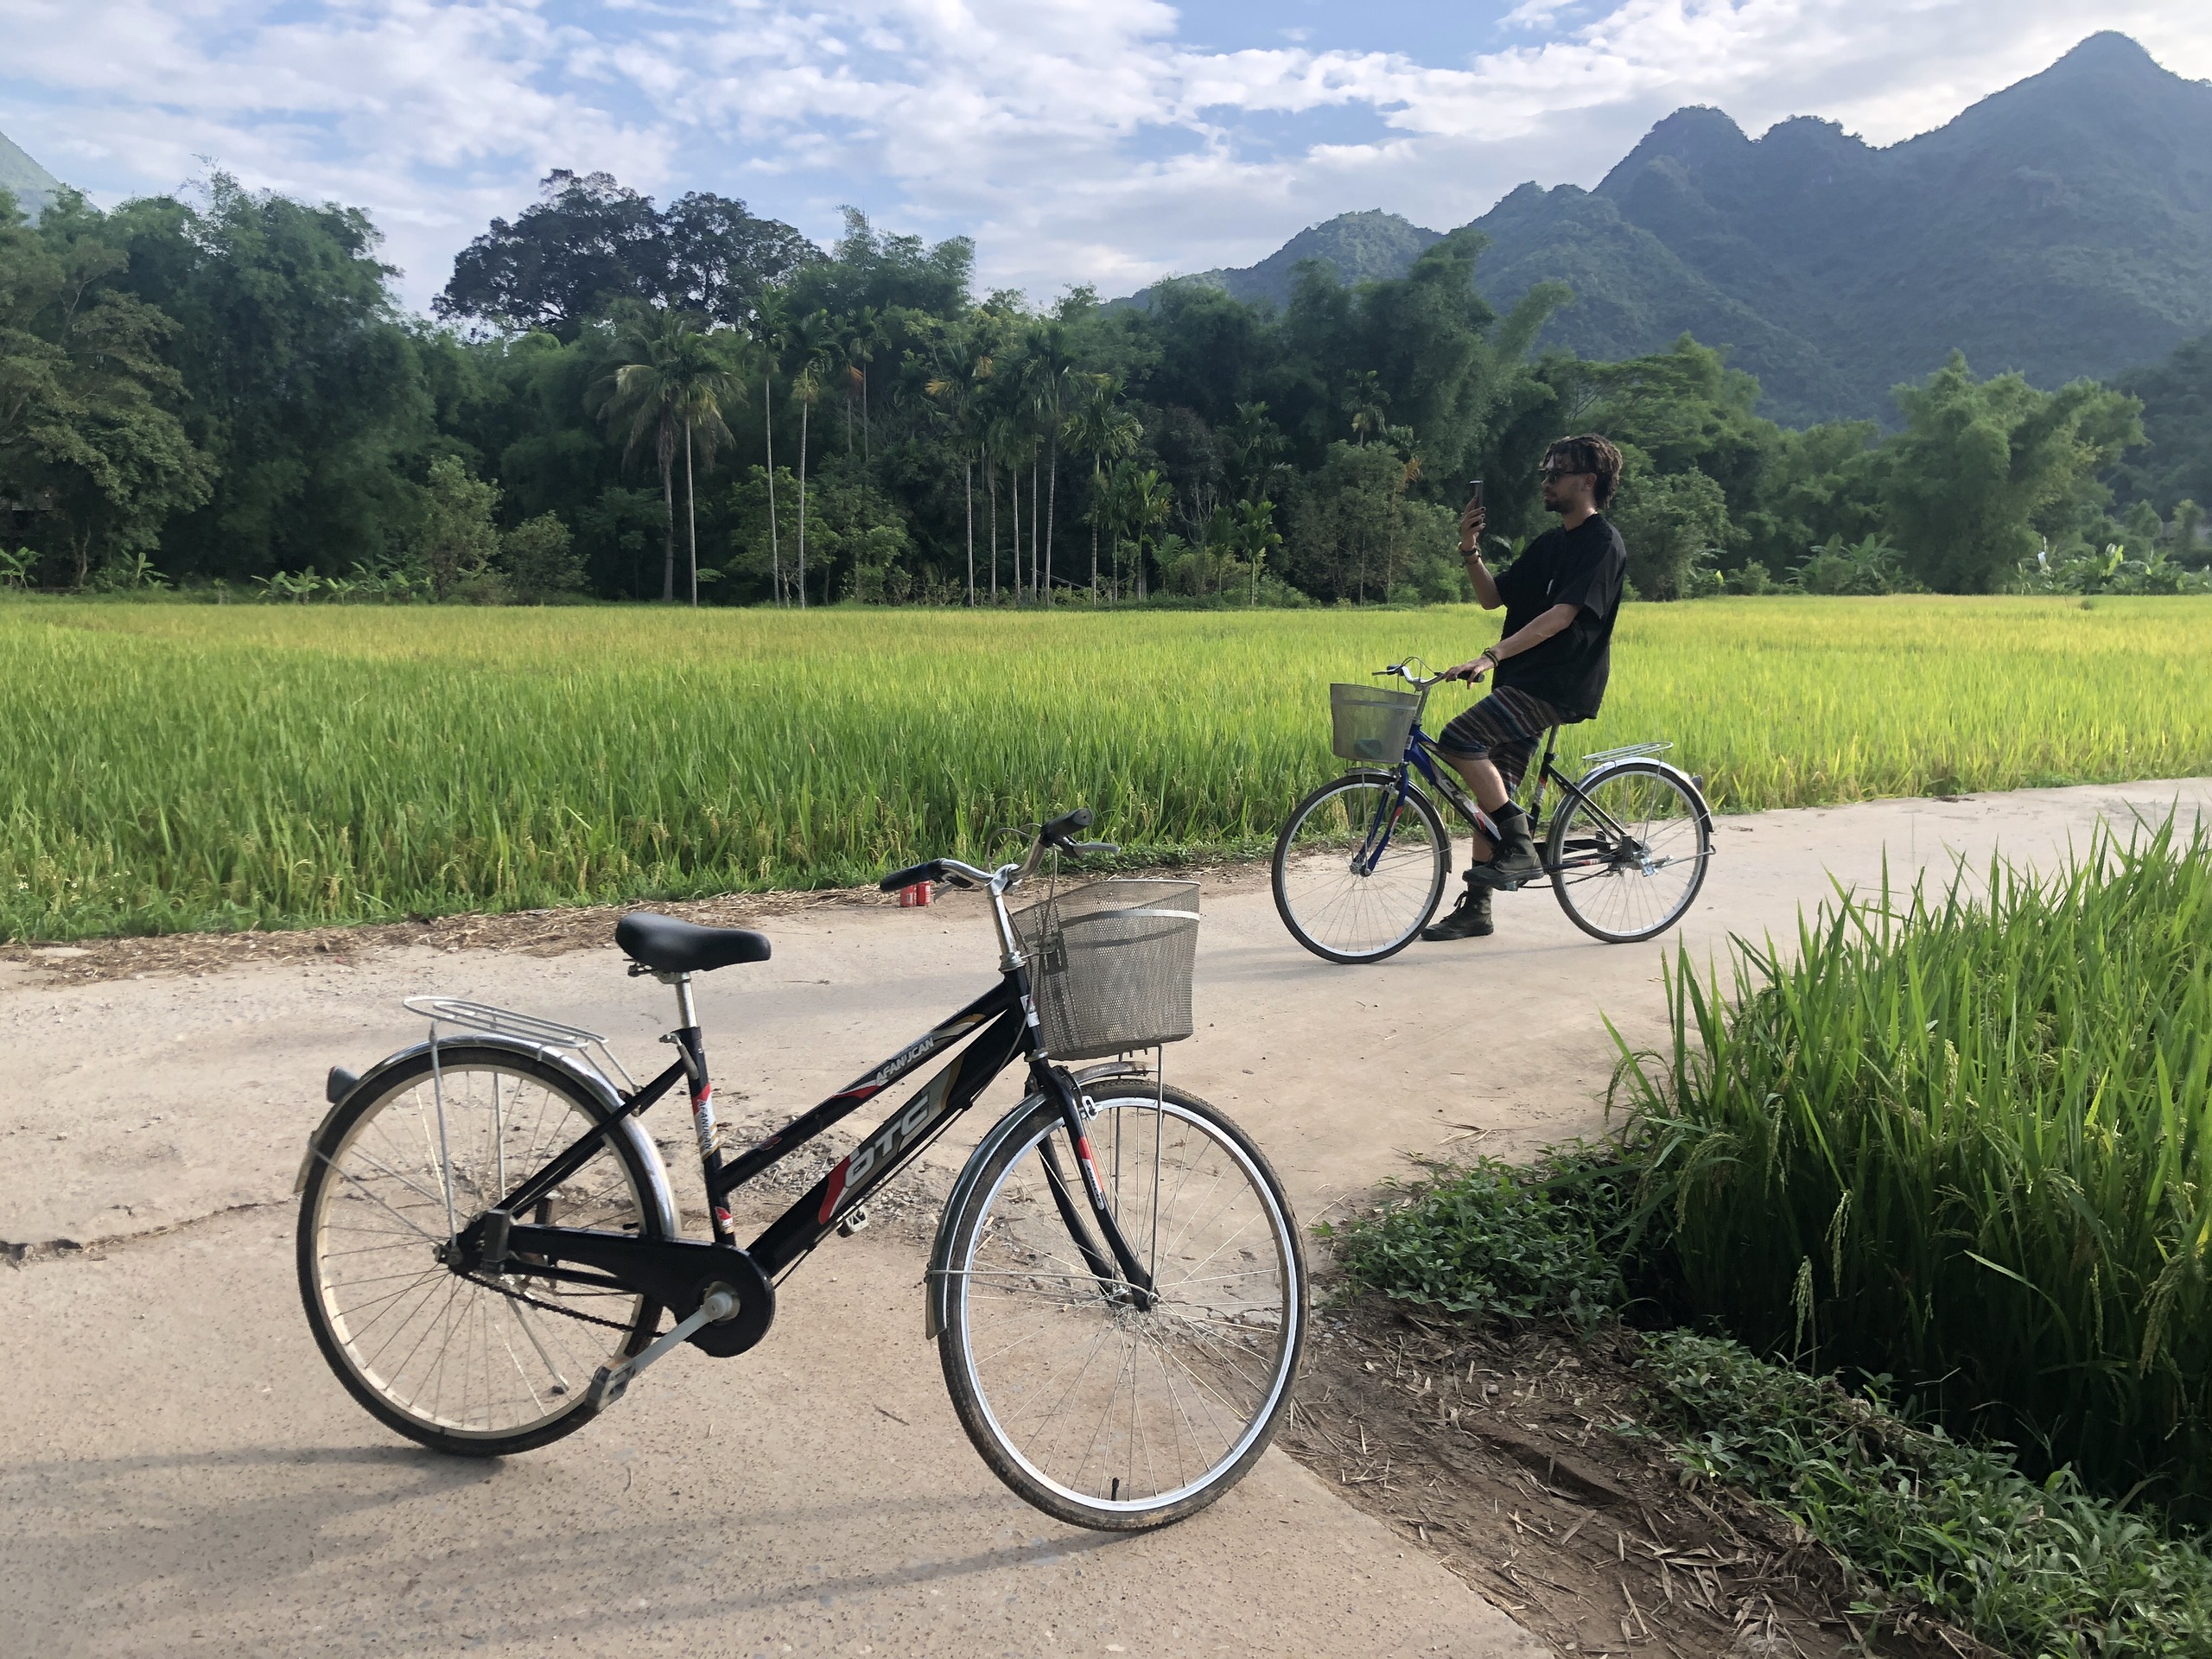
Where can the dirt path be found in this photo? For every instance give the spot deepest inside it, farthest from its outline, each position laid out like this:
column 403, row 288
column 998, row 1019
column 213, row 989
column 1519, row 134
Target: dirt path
column 180, row 1465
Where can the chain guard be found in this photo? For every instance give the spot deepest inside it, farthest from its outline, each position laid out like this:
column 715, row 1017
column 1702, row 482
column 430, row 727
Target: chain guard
column 674, row 1272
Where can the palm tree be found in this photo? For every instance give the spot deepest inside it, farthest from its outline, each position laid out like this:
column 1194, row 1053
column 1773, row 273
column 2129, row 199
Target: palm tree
column 813, row 339
column 1004, row 448
column 957, row 387
column 1054, row 384
column 1148, row 500
column 864, row 336
column 771, row 330
column 1100, row 427
column 1370, row 406
column 1255, row 535
column 665, row 379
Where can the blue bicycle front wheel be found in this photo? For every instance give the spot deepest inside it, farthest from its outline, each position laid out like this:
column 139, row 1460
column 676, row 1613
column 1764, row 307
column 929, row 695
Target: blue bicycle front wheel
column 1360, row 867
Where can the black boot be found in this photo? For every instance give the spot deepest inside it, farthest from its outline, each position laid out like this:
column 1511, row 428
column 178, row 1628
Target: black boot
column 1470, row 919
column 1513, row 856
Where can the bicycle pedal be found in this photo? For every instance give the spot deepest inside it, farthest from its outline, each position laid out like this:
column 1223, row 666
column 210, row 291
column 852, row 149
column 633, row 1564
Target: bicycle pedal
column 608, row 1384
column 853, row 1222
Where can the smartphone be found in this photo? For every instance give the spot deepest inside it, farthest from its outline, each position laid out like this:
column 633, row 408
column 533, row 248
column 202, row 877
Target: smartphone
column 1474, row 492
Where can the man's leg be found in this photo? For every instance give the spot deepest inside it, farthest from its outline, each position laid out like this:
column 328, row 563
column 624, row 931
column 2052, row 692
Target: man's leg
column 1487, row 784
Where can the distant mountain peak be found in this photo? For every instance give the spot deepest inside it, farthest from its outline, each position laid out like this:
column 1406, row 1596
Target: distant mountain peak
column 1367, row 246
column 2109, row 49
column 31, row 184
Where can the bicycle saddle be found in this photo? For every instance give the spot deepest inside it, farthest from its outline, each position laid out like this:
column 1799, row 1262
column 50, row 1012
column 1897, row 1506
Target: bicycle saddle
column 672, row 947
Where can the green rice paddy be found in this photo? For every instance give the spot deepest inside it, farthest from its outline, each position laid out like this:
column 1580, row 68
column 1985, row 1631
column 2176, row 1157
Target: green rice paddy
column 171, row 767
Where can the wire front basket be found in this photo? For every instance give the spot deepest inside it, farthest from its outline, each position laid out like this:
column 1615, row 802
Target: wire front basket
column 1371, row 723
column 1109, row 965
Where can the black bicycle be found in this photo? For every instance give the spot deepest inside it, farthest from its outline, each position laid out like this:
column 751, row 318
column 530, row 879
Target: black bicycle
column 487, row 1242
column 1361, row 864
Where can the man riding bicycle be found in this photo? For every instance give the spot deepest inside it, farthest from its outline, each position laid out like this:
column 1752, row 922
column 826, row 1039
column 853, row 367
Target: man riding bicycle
column 1560, row 597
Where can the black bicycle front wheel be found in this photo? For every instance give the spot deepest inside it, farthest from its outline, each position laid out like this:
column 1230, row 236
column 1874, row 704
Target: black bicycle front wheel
column 1101, row 1412
column 1360, row 867
column 1627, row 858
column 479, row 1365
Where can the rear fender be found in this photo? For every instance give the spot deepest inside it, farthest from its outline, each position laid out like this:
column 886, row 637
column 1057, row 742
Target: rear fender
column 1695, row 785
column 586, row 1080
column 937, row 1284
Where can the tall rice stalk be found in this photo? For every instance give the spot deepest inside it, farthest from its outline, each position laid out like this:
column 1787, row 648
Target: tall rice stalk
column 1967, row 1141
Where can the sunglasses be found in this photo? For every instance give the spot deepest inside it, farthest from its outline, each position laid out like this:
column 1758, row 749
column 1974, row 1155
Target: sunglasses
column 1550, row 471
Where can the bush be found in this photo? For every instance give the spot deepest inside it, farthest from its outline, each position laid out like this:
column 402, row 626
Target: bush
column 1502, row 1242
column 2030, row 1566
column 541, row 560
column 1970, row 1144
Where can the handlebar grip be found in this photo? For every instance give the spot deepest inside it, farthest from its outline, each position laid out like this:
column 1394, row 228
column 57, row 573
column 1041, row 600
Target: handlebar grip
column 1059, row 831
column 912, row 876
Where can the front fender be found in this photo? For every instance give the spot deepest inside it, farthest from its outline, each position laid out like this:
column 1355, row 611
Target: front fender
column 662, row 1201
column 938, row 1281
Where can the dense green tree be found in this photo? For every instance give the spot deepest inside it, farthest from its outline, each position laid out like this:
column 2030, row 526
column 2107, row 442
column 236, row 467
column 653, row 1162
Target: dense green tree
column 1358, row 532
column 93, row 457
column 303, row 383
column 589, row 243
column 2175, row 460
column 1675, row 525
column 1985, row 470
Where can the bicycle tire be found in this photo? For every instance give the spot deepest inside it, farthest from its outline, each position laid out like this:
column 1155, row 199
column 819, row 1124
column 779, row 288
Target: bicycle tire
column 612, row 1191
column 1578, row 885
column 1327, row 922
column 1235, row 1332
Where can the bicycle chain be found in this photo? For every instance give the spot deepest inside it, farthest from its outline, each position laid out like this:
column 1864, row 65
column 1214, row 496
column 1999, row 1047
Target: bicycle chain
column 550, row 1307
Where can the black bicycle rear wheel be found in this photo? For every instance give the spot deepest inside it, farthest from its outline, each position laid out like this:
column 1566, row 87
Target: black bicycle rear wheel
column 466, row 1364
column 1341, row 897
column 1628, row 859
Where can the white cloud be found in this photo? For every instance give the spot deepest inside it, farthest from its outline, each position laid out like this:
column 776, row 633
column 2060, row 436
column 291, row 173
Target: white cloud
column 1075, row 139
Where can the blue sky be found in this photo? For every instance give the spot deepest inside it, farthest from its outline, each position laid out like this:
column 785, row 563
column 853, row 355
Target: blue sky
column 1106, row 140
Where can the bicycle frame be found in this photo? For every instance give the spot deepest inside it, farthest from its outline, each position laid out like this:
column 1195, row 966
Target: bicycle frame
column 1002, row 1026
column 1420, row 756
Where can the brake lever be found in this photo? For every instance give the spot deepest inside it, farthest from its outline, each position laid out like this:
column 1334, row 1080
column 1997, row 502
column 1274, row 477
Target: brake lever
column 1079, row 848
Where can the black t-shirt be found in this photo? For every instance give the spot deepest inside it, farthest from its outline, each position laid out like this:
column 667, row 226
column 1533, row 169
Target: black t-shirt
column 1582, row 566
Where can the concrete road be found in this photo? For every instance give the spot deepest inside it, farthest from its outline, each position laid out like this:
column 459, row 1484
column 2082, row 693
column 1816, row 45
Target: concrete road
column 181, row 1469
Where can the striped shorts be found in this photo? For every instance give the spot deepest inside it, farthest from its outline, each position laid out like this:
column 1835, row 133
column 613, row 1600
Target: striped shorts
column 1503, row 729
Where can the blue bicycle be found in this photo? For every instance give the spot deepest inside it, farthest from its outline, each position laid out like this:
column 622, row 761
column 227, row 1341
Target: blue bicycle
column 1361, row 864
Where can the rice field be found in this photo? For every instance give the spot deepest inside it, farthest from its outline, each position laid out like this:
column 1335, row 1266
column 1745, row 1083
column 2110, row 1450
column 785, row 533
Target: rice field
column 1966, row 1144
column 170, row 766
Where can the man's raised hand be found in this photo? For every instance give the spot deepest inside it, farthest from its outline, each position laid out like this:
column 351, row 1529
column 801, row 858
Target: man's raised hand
column 1472, row 522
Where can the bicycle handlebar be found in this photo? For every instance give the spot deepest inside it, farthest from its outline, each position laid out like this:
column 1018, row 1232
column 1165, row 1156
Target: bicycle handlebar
column 1059, row 833
column 1416, row 680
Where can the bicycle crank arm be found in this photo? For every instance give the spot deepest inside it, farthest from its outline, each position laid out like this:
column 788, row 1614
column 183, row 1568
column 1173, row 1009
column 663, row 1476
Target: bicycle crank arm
column 610, row 1382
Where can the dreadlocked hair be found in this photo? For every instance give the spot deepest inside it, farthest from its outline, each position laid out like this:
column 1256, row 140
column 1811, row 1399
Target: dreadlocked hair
column 1588, row 453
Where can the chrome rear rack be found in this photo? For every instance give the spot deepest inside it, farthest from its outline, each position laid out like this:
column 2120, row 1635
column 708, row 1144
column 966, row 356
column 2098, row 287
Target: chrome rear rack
column 528, row 1027
column 1627, row 751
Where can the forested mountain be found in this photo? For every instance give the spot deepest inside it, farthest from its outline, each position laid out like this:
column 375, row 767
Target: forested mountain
column 624, row 398
column 1367, row 247
column 2061, row 227
column 31, row 184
